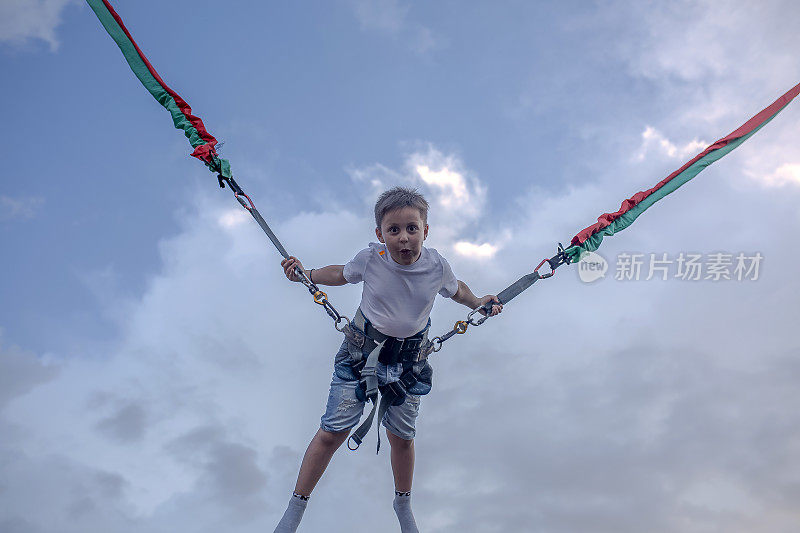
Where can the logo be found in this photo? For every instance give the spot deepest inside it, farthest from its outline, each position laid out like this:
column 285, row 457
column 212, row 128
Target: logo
column 591, row 267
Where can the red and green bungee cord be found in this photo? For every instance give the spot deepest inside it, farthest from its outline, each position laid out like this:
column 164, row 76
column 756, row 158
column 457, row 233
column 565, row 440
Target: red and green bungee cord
column 610, row 223
column 201, row 140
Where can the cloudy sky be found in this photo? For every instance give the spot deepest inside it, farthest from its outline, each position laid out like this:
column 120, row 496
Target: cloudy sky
column 157, row 372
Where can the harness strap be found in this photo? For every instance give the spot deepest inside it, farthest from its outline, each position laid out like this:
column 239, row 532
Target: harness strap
column 364, row 326
column 361, row 322
column 390, row 394
column 369, row 377
column 358, row 435
column 369, row 374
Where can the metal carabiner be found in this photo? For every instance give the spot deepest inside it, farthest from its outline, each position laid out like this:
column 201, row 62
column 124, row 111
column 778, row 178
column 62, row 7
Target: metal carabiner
column 549, row 274
column 479, row 321
column 338, row 320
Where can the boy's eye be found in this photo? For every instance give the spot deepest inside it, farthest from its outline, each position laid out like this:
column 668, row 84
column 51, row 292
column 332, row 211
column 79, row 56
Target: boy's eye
column 412, row 228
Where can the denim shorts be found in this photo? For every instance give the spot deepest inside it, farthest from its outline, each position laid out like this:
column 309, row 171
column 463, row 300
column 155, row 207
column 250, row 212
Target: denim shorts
column 344, row 409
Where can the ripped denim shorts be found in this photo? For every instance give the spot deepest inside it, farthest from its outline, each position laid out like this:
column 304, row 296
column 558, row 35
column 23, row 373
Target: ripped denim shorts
column 344, row 409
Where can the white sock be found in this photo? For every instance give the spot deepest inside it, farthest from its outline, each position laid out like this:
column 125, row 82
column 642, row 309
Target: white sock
column 293, row 515
column 402, row 506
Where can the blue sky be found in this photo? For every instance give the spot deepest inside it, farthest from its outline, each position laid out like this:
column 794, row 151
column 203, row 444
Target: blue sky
column 154, row 360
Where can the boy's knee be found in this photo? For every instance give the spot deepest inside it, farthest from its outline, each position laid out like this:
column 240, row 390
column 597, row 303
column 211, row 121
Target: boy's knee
column 399, row 442
column 330, row 438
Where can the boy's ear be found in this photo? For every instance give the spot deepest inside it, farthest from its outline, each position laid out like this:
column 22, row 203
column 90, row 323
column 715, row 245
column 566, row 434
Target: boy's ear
column 425, row 235
column 380, row 235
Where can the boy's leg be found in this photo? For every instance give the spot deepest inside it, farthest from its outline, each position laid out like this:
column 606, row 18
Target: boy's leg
column 341, row 413
column 316, row 459
column 402, row 461
column 293, row 514
column 400, row 422
column 318, row 455
column 403, row 470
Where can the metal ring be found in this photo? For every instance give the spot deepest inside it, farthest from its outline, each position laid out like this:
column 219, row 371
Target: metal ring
column 461, row 327
column 338, row 320
column 435, row 341
column 320, row 297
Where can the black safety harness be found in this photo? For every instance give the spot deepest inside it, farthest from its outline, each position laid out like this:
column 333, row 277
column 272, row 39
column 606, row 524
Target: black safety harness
column 367, row 347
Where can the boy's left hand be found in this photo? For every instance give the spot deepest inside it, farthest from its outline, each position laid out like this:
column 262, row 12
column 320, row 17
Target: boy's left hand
column 497, row 307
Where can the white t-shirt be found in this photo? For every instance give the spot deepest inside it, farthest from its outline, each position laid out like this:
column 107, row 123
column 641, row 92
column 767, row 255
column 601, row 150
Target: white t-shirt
column 397, row 299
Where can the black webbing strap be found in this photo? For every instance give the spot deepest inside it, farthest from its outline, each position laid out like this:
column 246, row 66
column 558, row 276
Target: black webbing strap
column 390, row 394
column 248, row 204
column 516, row 288
column 369, row 378
column 319, row 296
column 359, row 434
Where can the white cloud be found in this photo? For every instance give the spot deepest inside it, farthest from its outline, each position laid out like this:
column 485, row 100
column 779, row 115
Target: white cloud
column 469, row 249
column 786, row 174
column 381, row 15
column 391, row 18
column 451, row 183
column 457, row 197
column 772, row 161
column 484, row 250
column 423, row 39
column 377, row 178
column 24, row 20
column 696, row 41
column 652, row 139
column 19, row 207
column 20, row 372
column 716, row 56
column 232, row 218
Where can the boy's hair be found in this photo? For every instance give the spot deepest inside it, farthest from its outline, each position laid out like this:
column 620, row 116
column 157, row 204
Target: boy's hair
column 398, row 198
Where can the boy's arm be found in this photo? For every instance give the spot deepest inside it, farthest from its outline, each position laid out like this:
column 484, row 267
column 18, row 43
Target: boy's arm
column 465, row 296
column 329, row 275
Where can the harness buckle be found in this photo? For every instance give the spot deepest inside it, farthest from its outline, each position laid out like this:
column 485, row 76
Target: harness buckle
column 353, row 335
column 355, row 439
column 407, row 379
column 397, row 350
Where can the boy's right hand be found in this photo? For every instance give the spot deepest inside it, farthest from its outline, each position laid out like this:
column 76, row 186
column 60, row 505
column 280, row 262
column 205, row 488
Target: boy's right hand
column 288, row 268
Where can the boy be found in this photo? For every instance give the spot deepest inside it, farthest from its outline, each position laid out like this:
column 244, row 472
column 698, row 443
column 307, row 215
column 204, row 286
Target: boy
column 385, row 340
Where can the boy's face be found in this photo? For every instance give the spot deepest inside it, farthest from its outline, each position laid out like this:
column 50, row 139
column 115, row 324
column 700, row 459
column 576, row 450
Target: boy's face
column 403, row 231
